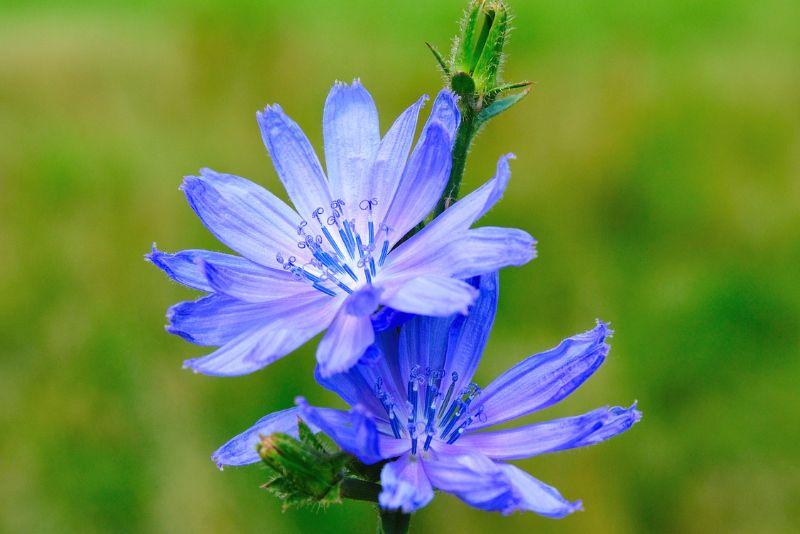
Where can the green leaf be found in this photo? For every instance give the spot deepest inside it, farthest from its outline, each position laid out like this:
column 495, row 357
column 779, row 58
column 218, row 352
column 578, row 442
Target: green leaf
column 499, row 106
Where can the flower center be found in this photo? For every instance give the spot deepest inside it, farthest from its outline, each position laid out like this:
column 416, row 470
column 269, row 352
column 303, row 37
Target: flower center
column 337, row 256
column 442, row 416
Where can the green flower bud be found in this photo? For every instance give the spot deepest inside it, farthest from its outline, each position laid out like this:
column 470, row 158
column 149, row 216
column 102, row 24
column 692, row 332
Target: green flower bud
column 473, row 70
column 478, row 51
column 302, row 471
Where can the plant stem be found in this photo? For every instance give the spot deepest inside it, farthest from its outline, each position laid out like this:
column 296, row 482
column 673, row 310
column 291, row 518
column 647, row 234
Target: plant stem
column 464, row 135
column 394, row 522
column 359, row 490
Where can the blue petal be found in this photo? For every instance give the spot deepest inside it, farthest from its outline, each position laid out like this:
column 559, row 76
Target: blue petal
column 387, row 318
column 353, row 388
column 344, row 342
column 246, row 217
column 351, row 133
column 423, row 344
column 444, row 111
column 422, row 182
column 467, row 254
column 185, row 267
column 551, row 436
column 470, row 476
column 468, row 335
column 390, row 160
column 437, row 296
column 487, row 249
column 254, row 285
column 251, row 351
column 405, row 486
column 214, row 319
column 543, row 379
column 353, row 431
column 531, row 495
column 453, row 222
column 493, row 486
column 241, row 450
column 294, row 160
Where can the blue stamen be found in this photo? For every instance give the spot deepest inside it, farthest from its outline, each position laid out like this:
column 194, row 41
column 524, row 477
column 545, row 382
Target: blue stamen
column 350, row 272
column 343, row 286
column 371, row 227
column 347, row 243
column 384, row 253
column 324, row 289
column 330, row 239
column 349, row 231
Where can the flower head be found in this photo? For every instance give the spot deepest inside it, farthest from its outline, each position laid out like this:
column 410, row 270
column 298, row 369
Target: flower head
column 335, row 259
column 419, row 406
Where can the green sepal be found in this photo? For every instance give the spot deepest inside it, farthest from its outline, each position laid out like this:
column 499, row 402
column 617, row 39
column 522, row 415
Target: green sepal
column 499, row 106
column 490, row 47
column 303, row 471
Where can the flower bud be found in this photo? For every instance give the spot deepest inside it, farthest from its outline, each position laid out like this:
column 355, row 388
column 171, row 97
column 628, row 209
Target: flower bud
column 473, row 69
column 302, row 471
column 479, row 47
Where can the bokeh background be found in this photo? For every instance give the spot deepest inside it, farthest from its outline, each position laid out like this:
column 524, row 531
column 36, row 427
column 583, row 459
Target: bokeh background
column 658, row 165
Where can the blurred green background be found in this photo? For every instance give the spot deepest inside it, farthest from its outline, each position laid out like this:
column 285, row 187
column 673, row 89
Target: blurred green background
column 658, row 165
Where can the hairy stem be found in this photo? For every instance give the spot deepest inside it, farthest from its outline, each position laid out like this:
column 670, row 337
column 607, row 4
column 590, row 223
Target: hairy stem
column 464, row 136
column 394, row 522
column 359, row 490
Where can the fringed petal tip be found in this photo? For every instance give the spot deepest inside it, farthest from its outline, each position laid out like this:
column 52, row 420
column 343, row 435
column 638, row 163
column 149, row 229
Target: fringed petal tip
column 154, row 255
column 175, row 331
column 636, row 415
column 567, row 509
column 602, row 330
column 191, row 183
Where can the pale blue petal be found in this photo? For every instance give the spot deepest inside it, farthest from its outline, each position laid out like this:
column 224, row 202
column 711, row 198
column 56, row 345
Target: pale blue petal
column 432, row 295
column 532, row 495
column 423, row 344
column 245, row 216
column 185, row 267
column 468, row 334
column 467, row 254
column 392, row 447
column 470, row 476
column 353, row 388
column 405, row 486
column 254, row 285
column 351, row 133
column 252, row 351
column 422, row 182
column 487, row 249
column 391, row 158
column 294, row 160
column 214, row 319
column 354, row 431
column 241, row 450
column 343, row 344
column 543, row 379
column 444, row 111
column 450, row 224
column 387, row 318
column 551, row 436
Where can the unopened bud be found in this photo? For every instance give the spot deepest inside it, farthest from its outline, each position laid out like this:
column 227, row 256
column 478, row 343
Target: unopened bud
column 302, row 471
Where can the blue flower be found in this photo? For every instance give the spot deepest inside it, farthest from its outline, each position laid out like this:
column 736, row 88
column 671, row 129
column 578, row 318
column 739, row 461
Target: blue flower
column 418, row 406
column 338, row 258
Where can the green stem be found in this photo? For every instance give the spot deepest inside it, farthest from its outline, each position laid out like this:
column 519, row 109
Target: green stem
column 359, row 490
column 464, row 136
column 394, row 522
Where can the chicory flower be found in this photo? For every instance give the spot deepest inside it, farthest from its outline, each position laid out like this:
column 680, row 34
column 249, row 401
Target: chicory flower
column 336, row 258
column 418, row 407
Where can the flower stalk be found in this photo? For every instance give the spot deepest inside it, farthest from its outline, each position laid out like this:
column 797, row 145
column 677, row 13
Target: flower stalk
column 473, row 73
